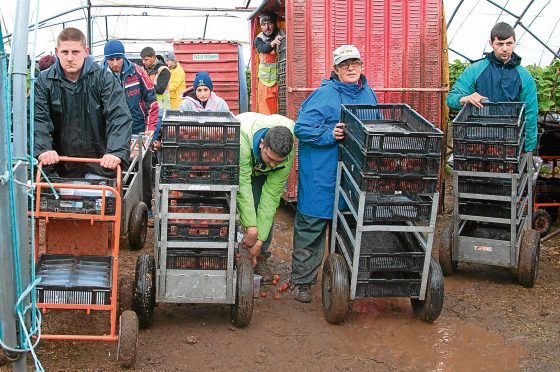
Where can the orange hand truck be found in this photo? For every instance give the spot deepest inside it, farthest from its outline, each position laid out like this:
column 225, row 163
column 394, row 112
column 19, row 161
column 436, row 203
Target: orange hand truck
column 79, row 266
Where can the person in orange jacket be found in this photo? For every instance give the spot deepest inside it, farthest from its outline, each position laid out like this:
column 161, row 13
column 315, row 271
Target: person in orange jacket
column 266, row 44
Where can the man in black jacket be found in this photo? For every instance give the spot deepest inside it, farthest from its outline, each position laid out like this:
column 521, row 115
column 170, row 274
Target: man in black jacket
column 80, row 111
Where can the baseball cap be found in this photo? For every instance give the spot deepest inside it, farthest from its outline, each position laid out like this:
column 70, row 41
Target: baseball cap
column 344, row 52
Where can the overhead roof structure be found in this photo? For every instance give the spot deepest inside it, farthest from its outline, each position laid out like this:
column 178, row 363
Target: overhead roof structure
column 536, row 23
column 141, row 23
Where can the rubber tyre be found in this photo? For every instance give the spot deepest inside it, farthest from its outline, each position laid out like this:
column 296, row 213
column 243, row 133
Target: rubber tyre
column 529, row 251
column 242, row 310
column 138, row 226
column 542, row 222
column 335, row 289
column 448, row 266
column 126, row 293
column 553, row 211
column 128, row 339
column 430, row 309
column 144, row 299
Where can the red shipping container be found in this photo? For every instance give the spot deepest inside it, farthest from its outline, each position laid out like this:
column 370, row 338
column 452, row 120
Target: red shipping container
column 223, row 60
column 400, row 41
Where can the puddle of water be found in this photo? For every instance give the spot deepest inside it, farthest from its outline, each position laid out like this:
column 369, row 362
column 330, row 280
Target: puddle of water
column 446, row 345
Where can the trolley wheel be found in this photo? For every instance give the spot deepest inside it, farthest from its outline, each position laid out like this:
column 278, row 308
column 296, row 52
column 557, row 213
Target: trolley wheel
column 126, row 293
column 144, row 299
column 138, row 226
column 429, row 309
column 542, row 222
column 128, row 339
column 553, row 211
column 448, row 266
column 528, row 266
column 242, row 310
column 335, row 288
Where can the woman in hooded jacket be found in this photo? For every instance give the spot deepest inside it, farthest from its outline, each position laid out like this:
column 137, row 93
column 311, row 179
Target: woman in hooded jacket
column 202, row 96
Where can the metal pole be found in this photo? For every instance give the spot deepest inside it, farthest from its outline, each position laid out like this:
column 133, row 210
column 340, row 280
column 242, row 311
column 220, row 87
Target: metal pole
column 205, row 24
column 19, row 84
column 89, row 28
column 8, row 321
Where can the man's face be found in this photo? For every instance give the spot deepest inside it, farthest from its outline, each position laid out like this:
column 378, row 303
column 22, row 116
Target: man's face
column 71, row 55
column 148, row 60
column 269, row 157
column 203, row 93
column 268, row 28
column 349, row 71
column 503, row 48
column 115, row 64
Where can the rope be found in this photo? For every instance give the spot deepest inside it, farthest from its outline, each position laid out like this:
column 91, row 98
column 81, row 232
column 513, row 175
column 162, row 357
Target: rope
column 21, row 310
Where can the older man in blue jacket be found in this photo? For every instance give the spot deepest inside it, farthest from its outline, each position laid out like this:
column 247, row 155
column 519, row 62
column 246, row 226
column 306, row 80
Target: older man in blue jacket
column 499, row 78
column 318, row 129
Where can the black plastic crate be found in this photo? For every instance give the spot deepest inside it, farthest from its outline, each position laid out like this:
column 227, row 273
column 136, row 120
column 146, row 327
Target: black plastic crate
column 210, row 175
column 90, row 202
column 68, row 279
column 197, row 229
column 391, row 129
column 547, row 190
column 196, row 128
column 204, row 259
column 495, row 209
column 403, row 164
column 485, row 165
column 389, row 207
column 486, row 186
column 488, row 150
column 498, row 122
column 215, row 206
column 549, row 139
column 195, row 196
column 382, row 251
column 389, row 184
column 405, row 284
column 193, row 155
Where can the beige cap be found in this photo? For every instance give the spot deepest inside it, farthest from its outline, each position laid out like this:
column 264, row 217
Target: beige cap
column 344, row 52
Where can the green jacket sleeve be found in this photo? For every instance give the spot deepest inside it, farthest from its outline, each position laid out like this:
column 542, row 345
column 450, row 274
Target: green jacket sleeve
column 529, row 96
column 245, row 201
column 270, row 197
column 465, row 84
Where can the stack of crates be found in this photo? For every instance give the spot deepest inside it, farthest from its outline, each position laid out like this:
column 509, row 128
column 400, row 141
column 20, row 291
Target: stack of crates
column 199, row 148
column 391, row 157
column 489, row 141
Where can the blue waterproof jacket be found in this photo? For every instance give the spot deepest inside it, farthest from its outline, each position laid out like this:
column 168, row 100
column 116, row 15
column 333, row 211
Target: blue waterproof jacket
column 500, row 82
column 317, row 148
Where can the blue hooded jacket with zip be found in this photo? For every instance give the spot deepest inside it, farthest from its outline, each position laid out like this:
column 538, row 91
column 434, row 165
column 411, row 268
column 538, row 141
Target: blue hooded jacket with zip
column 317, row 148
column 500, row 82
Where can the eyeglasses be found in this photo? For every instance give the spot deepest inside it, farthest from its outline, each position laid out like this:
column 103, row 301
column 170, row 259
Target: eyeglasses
column 346, row 64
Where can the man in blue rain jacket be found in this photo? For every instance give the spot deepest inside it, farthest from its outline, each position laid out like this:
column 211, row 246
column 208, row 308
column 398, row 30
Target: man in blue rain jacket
column 318, row 129
column 499, row 78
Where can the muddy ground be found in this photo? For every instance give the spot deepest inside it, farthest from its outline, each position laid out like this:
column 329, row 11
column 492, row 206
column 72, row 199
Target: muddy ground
column 488, row 322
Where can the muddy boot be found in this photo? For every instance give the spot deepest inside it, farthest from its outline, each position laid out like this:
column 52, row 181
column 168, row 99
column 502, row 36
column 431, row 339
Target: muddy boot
column 302, row 293
column 262, row 269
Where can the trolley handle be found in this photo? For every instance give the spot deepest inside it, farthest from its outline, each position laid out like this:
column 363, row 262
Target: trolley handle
column 79, row 160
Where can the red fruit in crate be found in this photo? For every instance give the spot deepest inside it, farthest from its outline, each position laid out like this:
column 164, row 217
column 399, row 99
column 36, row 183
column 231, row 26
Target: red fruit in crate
column 275, row 282
column 263, row 294
column 276, row 277
column 276, row 295
column 238, row 255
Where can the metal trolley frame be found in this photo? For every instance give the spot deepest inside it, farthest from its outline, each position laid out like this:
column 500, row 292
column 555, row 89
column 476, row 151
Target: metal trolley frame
column 520, row 251
column 427, row 298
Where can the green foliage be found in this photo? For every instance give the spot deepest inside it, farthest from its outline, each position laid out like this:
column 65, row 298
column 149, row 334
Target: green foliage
column 548, row 86
column 248, row 79
column 455, row 70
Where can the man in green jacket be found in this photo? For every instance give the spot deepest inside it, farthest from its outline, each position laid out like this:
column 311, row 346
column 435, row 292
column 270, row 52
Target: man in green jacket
column 265, row 161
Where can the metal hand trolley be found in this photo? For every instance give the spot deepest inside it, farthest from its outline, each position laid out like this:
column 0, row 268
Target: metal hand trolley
column 195, row 221
column 134, row 222
column 492, row 195
column 382, row 246
column 79, row 266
